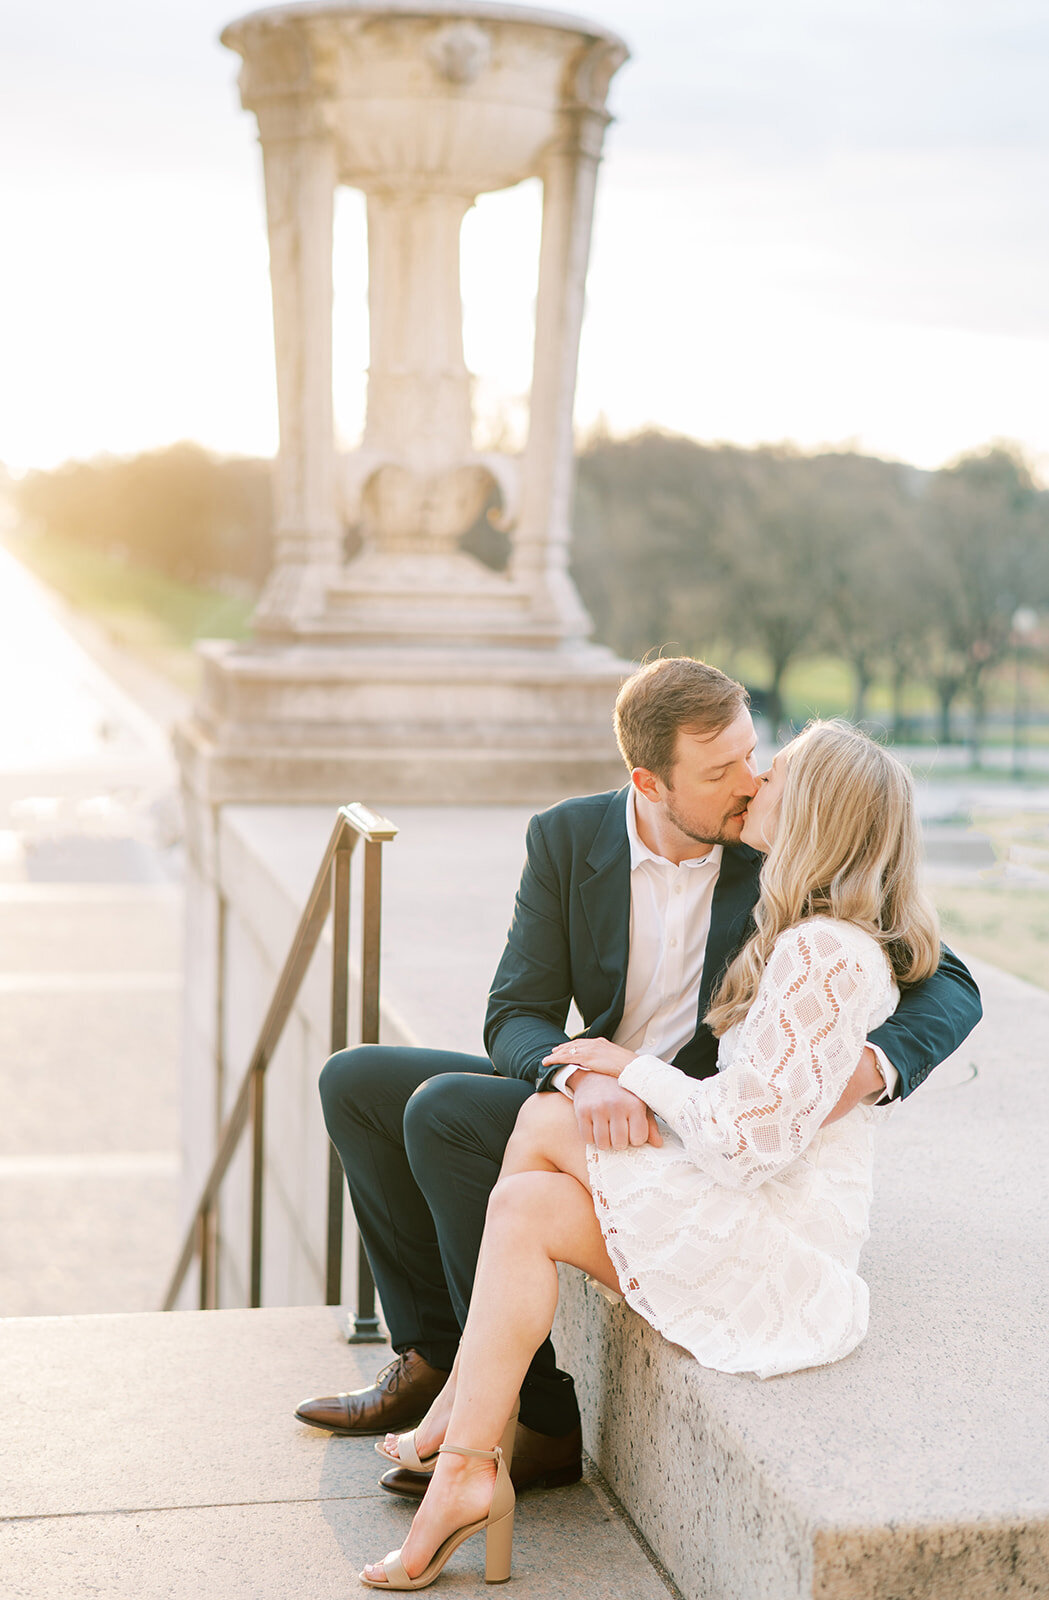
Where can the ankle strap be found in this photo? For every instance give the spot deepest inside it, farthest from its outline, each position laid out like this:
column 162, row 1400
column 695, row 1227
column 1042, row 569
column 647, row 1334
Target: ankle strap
column 464, row 1450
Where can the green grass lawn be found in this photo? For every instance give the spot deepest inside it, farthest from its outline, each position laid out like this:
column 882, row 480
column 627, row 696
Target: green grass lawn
column 156, row 618
column 820, row 686
column 999, row 919
column 1007, row 926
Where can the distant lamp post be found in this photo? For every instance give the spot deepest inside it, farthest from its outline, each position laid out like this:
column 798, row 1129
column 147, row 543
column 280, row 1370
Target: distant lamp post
column 1025, row 621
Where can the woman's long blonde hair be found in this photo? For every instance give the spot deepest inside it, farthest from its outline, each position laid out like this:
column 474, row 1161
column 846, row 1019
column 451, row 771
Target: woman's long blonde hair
column 847, row 845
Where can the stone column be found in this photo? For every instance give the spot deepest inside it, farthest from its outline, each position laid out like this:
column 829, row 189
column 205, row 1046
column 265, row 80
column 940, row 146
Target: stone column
column 300, row 170
column 419, row 484
column 418, row 384
column 299, row 200
column 569, row 179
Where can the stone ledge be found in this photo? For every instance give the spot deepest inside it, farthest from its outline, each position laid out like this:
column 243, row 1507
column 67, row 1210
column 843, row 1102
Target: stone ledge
column 918, row 1467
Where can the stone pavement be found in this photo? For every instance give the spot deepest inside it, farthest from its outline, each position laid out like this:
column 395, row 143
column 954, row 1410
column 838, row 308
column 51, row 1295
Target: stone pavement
column 90, row 974
column 157, row 1458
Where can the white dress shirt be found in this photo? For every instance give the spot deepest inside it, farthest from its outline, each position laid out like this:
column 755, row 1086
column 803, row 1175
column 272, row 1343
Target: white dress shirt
column 670, row 908
column 669, row 923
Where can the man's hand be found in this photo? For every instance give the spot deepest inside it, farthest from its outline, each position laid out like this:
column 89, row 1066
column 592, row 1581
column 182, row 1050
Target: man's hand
column 864, row 1081
column 611, row 1117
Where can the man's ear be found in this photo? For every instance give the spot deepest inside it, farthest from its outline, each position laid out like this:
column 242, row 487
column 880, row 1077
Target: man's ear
column 647, row 783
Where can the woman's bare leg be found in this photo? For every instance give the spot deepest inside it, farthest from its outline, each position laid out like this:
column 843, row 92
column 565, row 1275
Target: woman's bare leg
column 535, row 1219
column 545, row 1139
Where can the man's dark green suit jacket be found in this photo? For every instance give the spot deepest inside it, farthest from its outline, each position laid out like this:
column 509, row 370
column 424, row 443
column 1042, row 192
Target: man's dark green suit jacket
column 570, row 936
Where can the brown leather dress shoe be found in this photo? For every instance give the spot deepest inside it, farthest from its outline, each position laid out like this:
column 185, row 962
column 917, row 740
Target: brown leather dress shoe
column 539, row 1462
column 400, row 1397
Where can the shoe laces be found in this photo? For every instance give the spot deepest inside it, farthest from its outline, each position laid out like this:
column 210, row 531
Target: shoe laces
column 398, row 1364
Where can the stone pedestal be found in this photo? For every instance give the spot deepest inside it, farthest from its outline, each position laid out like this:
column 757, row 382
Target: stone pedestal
column 390, row 725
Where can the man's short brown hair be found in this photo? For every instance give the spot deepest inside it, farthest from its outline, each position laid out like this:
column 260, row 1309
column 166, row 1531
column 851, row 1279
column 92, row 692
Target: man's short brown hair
column 665, row 696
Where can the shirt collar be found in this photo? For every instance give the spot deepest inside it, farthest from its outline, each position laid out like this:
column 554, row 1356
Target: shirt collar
column 639, row 851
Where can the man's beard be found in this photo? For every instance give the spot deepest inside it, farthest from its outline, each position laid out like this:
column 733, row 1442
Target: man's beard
column 718, row 836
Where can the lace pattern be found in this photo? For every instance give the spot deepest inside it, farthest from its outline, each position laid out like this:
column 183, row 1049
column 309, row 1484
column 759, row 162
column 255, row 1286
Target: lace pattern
column 740, row 1237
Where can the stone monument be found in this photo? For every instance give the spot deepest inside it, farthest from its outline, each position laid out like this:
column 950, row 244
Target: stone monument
column 411, row 671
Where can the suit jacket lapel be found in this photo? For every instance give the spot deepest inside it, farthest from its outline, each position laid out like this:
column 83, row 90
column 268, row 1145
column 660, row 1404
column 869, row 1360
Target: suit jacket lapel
column 605, row 897
column 605, row 901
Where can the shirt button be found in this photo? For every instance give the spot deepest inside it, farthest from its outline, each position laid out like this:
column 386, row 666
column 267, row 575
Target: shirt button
column 673, row 944
column 677, row 888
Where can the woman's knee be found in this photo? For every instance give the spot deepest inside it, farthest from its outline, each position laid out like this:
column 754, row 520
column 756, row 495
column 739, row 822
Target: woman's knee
column 542, row 1112
column 519, row 1201
column 539, row 1121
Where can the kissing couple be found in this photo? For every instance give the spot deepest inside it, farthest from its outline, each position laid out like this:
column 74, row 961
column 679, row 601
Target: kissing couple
column 758, row 972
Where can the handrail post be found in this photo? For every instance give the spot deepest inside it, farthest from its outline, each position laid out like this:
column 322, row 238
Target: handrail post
column 258, row 1142
column 340, row 1035
column 365, row 1322
column 204, row 1242
column 372, row 936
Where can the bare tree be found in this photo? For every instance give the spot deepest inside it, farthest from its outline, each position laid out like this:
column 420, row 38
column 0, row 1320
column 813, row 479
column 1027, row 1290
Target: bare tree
column 985, row 542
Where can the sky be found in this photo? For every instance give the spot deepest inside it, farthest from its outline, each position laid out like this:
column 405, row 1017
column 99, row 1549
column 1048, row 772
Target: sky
column 824, row 221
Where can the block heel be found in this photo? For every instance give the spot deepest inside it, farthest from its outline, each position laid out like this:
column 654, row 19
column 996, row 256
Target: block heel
column 498, row 1528
column 498, row 1548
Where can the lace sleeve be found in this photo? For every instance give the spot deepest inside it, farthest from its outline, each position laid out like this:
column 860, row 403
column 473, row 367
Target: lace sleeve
column 796, row 1049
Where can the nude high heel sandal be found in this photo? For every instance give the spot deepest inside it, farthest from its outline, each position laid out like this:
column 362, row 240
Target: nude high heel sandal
column 498, row 1528
column 408, row 1456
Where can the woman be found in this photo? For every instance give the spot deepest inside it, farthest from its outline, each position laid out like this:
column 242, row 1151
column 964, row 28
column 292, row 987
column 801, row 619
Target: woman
column 739, row 1236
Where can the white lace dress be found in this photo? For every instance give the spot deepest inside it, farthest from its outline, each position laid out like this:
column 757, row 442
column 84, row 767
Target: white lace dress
column 740, row 1237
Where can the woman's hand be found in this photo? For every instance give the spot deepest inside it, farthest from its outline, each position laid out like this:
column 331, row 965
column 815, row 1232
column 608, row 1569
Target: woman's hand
column 595, row 1055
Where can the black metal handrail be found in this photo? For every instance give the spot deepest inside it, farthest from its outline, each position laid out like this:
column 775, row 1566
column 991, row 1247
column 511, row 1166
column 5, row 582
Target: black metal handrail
column 332, row 884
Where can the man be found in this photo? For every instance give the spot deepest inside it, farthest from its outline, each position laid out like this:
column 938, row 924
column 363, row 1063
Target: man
column 631, row 904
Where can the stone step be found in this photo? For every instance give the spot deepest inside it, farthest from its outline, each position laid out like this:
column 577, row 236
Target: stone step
column 156, row 1457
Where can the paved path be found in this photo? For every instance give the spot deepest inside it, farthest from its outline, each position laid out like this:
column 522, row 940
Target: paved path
column 90, row 975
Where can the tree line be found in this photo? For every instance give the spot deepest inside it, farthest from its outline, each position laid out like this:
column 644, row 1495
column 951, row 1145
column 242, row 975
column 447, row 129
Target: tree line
column 913, row 577
column 906, row 576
